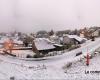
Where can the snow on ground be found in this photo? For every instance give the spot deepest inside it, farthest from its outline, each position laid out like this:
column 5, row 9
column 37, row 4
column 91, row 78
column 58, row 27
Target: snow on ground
column 20, row 71
column 45, row 72
column 18, row 42
column 23, row 53
column 51, row 68
column 79, row 70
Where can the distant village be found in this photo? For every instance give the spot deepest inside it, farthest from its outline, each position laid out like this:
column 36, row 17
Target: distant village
column 43, row 43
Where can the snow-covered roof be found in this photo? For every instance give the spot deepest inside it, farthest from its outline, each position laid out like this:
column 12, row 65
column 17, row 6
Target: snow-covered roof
column 75, row 37
column 54, row 37
column 17, row 41
column 3, row 39
column 58, row 45
column 7, row 39
column 43, row 44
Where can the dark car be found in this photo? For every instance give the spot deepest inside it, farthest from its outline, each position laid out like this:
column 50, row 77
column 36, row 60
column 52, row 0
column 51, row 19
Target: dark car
column 77, row 54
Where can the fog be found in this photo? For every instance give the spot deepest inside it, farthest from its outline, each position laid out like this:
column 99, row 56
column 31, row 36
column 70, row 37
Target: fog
column 34, row 15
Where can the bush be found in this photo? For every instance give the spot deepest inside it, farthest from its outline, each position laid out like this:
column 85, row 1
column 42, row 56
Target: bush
column 67, row 46
column 68, row 65
column 29, row 56
column 38, row 56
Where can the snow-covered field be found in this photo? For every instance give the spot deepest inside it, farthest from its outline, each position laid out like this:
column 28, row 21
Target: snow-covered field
column 22, row 53
column 52, row 68
column 79, row 70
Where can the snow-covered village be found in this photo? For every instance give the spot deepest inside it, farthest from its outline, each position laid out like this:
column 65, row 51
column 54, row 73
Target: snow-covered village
column 49, row 39
column 61, row 55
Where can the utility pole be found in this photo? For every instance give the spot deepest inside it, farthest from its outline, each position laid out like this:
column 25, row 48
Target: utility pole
column 87, row 58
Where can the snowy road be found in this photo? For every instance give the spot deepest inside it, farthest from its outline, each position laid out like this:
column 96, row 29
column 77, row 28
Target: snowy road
column 46, row 69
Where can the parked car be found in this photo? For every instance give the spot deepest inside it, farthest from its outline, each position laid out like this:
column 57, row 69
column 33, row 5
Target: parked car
column 77, row 54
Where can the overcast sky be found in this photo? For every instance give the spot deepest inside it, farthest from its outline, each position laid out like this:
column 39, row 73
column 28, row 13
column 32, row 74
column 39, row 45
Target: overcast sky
column 34, row 15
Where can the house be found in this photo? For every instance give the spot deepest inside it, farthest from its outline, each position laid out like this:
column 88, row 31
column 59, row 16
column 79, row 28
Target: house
column 66, row 40
column 85, row 33
column 96, row 33
column 78, row 39
column 55, row 39
column 58, row 47
column 42, row 45
column 82, row 34
column 72, row 39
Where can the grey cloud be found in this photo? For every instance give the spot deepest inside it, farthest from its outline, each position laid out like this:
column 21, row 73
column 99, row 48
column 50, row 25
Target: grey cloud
column 34, row 15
